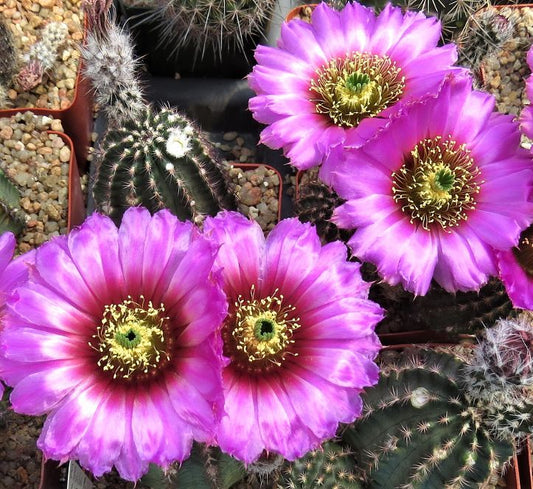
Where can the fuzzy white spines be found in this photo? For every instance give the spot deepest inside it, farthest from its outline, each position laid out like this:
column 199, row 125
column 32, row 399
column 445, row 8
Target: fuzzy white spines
column 500, row 376
column 110, row 65
column 46, row 50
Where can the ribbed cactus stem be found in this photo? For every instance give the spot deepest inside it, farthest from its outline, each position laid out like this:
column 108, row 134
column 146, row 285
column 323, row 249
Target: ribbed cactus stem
column 329, row 467
column 160, row 160
column 420, row 430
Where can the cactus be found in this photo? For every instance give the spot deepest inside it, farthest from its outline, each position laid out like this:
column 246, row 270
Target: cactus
column 42, row 55
column 441, row 420
column 329, row 467
column 209, row 24
column 500, row 374
column 8, row 56
column 484, row 33
column 315, row 204
column 206, row 468
column 11, row 216
column 438, row 310
column 160, row 160
column 110, row 64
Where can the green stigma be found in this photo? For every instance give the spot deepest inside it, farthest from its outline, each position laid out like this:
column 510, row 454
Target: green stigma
column 264, row 329
column 129, row 339
column 444, row 179
column 357, row 81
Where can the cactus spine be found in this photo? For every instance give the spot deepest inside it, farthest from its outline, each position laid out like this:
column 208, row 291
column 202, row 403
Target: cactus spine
column 210, row 24
column 440, row 420
column 329, row 467
column 159, row 160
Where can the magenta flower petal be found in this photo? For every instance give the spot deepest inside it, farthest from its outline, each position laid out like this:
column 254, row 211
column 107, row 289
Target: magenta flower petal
column 143, row 310
column 516, row 272
column 338, row 79
column 526, row 116
column 299, row 316
column 439, row 193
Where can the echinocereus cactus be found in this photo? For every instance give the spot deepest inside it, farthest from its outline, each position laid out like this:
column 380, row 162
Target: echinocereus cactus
column 424, row 198
column 159, row 160
column 126, row 370
column 210, row 24
column 441, row 420
column 336, row 80
column 329, row 467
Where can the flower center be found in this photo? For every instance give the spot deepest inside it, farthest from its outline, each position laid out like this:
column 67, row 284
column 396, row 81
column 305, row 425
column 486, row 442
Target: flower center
column 524, row 251
column 437, row 183
column 258, row 333
column 351, row 88
column 133, row 340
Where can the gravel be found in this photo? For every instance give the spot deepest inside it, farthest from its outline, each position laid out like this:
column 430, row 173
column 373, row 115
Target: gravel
column 38, row 163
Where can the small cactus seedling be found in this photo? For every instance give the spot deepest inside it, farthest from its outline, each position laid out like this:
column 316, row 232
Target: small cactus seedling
column 210, row 24
column 446, row 421
column 42, row 55
column 160, row 160
column 11, row 216
column 329, row 467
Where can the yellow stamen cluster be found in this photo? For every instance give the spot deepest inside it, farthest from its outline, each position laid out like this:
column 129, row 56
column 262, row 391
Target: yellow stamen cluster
column 259, row 333
column 359, row 85
column 131, row 339
column 524, row 251
column 437, row 183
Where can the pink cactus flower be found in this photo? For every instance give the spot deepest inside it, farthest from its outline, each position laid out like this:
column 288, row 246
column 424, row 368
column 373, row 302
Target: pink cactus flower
column 299, row 337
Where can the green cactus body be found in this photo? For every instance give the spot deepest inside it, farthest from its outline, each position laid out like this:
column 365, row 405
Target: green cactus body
column 159, row 161
column 420, row 432
column 438, row 310
column 329, row 467
column 11, row 216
